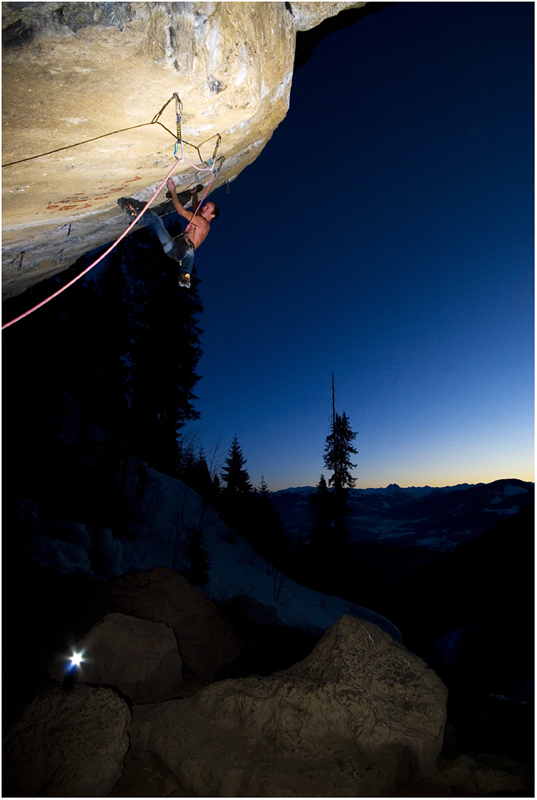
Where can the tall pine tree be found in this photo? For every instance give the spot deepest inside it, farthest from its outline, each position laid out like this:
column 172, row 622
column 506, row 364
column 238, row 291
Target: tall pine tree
column 236, row 493
column 329, row 547
column 235, row 477
column 338, row 450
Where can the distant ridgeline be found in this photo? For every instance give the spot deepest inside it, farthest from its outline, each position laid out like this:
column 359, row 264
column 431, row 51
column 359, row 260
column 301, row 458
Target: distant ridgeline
column 434, row 518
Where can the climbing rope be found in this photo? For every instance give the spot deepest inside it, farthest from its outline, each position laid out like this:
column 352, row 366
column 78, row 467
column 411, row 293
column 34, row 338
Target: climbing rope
column 213, row 170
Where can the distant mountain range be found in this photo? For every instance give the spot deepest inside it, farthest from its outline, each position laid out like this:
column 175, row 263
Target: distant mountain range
column 437, row 518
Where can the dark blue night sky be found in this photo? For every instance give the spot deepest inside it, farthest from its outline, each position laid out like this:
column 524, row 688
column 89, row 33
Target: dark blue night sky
column 384, row 234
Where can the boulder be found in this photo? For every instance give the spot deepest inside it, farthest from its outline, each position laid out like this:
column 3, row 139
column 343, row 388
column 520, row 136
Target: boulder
column 67, row 744
column 138, row 657
column 360, row 716
column 207, row 642
column 145, row 775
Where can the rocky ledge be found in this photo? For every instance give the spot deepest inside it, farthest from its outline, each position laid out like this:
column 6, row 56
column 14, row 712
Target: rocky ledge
column 83, row 85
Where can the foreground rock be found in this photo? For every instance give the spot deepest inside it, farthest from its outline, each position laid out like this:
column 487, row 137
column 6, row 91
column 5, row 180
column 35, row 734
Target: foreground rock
column 138, row 657
column 145, row 775
column 358, row 716
column 207, row 642
column 67, row 744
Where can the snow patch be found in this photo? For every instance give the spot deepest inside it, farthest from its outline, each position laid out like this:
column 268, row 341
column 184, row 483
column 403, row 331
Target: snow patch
column 509, row 491
column 437, row 543
column 164, row 514
column 513, row 510
column 64, row 557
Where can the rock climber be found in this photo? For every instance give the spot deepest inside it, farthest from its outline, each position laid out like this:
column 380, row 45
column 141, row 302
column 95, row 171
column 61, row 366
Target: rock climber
column 182, row 247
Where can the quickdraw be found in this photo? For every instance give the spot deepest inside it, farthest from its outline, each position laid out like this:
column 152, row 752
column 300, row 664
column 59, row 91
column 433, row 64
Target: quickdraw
column 214, row 170
column 178, row 112
column 213, row 157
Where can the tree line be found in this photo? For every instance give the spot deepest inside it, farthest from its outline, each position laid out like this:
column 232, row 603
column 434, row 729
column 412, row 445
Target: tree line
column 248, row 510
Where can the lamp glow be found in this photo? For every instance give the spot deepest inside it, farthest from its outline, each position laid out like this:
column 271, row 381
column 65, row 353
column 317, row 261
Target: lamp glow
column 76, row 660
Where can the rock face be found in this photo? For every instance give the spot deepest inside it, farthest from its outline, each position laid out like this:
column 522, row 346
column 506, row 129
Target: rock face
column 359, row 716
column 207, row 642
column 67, row 744
column 138, row 657
column 145, row 775
column 75, row 72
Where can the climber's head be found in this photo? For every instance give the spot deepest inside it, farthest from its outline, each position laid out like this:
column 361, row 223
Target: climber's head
column 210, row 211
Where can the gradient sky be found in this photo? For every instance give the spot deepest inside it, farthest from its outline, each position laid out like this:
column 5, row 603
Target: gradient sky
column 384, row 234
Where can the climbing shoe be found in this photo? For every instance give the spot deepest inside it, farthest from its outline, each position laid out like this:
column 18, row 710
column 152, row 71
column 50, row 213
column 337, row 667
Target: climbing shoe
column 184, row 280
column 130, row 206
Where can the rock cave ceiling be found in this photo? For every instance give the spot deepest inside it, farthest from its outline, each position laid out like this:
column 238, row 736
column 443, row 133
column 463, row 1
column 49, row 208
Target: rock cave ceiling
column 96, row 75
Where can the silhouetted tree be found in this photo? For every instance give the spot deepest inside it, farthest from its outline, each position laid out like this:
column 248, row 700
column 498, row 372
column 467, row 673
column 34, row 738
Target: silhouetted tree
column 235, row 477
column 236, row 492
column 321, row 504
column 338, row 450
column 266, row 531
column 329, row 557
column 194, row 471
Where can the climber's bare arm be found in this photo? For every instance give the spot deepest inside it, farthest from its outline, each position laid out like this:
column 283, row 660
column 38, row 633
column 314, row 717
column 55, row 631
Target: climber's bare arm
column 176, row 202
column 195, row 203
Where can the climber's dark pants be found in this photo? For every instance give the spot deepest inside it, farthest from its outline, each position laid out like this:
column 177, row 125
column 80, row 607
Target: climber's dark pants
column 179, row 248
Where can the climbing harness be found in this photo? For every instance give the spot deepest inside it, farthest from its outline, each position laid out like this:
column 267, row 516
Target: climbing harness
column 213, row 170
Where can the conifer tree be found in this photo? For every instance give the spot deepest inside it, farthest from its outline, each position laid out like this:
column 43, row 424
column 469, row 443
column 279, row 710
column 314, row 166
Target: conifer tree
column 195, row 473
column 338, row 450
column 235, row 477
column 236, row 494
column 321, row 504
column 267, row 533
column 329, row 550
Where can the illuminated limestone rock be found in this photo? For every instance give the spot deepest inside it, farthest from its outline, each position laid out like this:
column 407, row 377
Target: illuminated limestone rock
column 73, row 72
column 67, row 744
column 309, row 15
column 207, row 642
column 359, row 716
column 138, row 657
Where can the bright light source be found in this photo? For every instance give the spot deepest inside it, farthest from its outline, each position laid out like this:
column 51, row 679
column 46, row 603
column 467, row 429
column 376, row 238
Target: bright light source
column 76, row 660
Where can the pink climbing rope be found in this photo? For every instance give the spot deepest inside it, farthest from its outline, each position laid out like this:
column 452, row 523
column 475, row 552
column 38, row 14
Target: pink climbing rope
column 142, row 212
